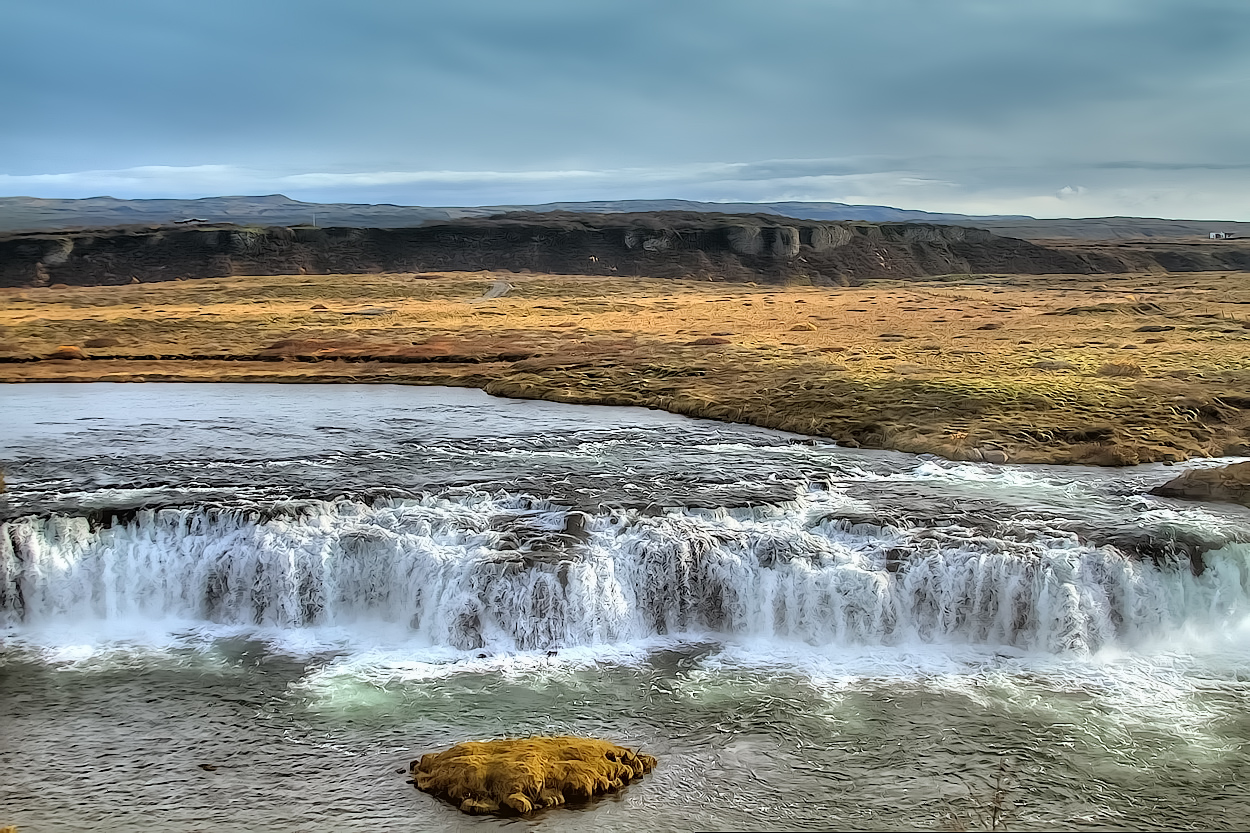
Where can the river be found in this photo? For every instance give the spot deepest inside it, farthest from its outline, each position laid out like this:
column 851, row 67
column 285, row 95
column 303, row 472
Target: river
column 248, row 607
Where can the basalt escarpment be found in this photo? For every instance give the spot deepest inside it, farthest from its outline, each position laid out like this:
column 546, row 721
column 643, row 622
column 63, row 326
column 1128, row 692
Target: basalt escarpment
column 661, row 245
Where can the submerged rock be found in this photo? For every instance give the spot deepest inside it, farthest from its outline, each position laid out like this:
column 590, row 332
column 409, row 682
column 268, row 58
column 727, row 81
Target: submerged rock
column 526, row 774
column 1229, row 484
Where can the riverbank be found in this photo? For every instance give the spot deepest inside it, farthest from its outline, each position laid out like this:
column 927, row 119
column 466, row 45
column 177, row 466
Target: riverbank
column 1105, row 369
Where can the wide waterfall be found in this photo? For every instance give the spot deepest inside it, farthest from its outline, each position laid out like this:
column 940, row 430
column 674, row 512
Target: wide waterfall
column 505, row 573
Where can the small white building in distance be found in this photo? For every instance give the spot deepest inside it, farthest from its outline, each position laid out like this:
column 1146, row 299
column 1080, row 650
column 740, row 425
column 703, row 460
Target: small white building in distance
column 1220, row 235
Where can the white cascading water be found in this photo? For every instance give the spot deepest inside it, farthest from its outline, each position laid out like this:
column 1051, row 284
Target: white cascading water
column 504, row 573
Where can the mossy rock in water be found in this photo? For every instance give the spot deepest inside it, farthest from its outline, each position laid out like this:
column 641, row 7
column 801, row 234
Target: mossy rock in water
column 526, row 774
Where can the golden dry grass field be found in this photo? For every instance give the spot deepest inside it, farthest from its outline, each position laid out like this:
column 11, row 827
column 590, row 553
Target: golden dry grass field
column 1107, row 369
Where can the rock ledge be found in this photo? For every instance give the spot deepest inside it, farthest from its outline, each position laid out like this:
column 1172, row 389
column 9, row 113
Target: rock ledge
column 1228, row 484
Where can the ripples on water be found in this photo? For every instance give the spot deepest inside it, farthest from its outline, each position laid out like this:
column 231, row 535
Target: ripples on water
column 301, row 589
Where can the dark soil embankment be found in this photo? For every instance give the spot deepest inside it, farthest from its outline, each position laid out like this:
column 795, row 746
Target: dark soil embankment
column 667, row 244
column 1169, row 256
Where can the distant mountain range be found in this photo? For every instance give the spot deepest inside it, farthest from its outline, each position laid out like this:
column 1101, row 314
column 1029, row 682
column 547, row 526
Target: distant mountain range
column 35, row 214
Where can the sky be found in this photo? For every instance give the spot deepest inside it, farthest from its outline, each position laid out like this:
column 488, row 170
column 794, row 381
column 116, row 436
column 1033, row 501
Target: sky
column 1051, row 108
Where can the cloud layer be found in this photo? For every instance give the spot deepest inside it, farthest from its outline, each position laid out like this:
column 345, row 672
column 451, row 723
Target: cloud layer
column 1051, row 108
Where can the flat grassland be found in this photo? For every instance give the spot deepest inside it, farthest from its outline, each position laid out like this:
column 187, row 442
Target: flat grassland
column 1105, row 369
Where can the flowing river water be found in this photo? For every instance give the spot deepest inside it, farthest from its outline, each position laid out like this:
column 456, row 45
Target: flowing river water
column 246, row 607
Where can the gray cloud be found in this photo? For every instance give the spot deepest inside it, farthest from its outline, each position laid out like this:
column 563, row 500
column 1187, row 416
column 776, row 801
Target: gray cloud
column 1174, row 166
column 971, row 101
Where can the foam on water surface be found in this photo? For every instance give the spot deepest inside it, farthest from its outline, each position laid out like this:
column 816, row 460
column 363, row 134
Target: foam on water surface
column 498, row 573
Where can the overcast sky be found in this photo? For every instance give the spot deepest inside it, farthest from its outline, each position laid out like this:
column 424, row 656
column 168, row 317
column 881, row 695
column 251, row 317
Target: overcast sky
column 1043, row 107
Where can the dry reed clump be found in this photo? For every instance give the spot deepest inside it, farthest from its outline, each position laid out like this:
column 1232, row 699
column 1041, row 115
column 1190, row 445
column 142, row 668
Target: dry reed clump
column 1120, row 369
column 67, row 351
column 526, row 774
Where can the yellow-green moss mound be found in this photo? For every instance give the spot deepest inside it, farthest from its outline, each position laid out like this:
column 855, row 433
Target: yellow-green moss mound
column 526, row 774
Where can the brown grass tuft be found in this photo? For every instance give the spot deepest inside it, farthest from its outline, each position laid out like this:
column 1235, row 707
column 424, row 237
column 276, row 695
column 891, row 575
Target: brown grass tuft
column 1120, row 369
column 67, row 351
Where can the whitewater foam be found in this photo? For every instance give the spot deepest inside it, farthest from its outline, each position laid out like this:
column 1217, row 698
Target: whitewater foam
column 482, row 571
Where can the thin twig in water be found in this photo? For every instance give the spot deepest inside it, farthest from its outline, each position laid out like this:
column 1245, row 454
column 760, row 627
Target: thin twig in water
column 986, row 813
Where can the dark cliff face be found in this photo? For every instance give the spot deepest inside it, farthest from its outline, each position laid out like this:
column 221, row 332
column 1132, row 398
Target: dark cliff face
column 715, row 247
